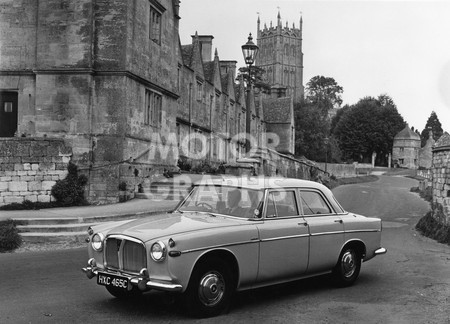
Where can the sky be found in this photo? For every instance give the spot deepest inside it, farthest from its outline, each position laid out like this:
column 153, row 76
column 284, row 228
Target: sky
column 398, row 48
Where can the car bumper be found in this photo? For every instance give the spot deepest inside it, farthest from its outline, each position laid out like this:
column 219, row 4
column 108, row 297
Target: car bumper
column 380, row 251
column 141, row 282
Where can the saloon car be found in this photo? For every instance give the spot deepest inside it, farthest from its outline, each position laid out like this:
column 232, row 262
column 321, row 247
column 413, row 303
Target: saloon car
column 233, row 234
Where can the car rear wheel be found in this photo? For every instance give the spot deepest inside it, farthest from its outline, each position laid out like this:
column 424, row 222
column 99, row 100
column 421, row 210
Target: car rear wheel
column 122, row 293
column 210, row 289
column 348, row 267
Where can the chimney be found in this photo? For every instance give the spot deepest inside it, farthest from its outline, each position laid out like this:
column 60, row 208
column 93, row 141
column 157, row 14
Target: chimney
column 206, row 47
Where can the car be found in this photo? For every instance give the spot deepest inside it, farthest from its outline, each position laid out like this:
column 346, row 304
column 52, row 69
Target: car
column 232, row 234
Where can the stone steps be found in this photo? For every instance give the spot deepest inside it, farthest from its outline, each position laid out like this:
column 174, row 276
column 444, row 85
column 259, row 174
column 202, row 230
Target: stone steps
column 59, row 230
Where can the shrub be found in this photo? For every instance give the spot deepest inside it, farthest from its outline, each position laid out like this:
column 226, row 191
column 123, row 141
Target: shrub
column 203, row 167
column 430, row 227
column 70, row 191
column 30, row 205
column 221, row 169
column 184, row 164
column 9, row 236
column 426, row 194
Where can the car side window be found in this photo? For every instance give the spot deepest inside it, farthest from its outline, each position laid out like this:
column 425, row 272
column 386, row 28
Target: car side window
column 313, row 203
column 281, row 203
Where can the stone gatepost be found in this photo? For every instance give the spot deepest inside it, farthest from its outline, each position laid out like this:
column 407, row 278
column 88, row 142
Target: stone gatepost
column 441, row 176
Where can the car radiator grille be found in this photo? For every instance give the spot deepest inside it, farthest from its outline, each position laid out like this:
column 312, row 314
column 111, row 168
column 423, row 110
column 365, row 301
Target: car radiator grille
column 125, row 254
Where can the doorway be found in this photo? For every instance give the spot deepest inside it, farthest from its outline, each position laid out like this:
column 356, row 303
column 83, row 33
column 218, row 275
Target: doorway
column 8, row 113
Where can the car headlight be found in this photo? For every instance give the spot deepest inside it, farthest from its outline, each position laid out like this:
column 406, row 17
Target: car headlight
column 158, row 251
column 97, row 242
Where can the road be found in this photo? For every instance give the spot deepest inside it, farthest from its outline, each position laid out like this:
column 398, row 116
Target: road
column 410, row 284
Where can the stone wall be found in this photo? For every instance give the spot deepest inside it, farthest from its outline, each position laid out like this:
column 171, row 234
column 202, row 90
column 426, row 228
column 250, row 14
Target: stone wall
column 441, row 176
column 342, row 170
column 30, row 167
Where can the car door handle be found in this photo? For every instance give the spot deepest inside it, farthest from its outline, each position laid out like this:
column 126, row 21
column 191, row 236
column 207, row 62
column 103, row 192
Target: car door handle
column 304, row 223
column 338, row 221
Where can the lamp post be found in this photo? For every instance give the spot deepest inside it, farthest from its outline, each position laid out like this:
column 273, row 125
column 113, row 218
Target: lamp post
column 326, row 152
column 249, row 50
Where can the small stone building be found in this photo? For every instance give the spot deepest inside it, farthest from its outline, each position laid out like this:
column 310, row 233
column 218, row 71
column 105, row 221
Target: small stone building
column 405, row 149
column 441, row 176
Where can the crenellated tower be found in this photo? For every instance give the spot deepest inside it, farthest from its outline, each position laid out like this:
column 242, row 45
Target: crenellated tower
column 281, row 57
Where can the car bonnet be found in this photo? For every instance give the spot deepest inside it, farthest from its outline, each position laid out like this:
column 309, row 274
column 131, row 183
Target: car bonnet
column 157, row 226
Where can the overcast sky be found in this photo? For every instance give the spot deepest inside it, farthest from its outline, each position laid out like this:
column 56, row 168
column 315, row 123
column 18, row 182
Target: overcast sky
column 398, row 48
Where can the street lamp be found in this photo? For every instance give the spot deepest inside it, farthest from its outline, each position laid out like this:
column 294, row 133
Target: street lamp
column 249, row 50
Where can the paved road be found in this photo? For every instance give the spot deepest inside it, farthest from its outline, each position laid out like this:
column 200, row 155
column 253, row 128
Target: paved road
column 410, row 284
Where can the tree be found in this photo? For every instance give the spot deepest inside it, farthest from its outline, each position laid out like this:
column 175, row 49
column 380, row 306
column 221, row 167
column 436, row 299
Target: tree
column 324, row 92
column 257, row 77
column 312, row 128
column 367, row 127
column 433, row 124
column 312, row 124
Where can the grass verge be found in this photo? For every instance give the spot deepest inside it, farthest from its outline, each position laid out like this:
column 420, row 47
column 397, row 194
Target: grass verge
column 429, row 226
column 352, row 180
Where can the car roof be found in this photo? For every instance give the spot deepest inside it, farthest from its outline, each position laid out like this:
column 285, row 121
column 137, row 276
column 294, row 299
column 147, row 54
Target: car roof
column 260, row 182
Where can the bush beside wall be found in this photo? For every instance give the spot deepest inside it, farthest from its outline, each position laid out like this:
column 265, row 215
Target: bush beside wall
column 9, row 236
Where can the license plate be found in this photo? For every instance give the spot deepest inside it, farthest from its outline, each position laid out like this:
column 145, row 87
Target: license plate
column 107, row 279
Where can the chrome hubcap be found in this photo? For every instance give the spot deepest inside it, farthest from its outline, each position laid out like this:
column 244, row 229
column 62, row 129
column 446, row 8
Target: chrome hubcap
column 348, row 264
column 211, row 288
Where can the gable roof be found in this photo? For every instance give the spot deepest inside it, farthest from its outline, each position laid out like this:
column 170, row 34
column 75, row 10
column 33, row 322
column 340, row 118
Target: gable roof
column 208, row 68
column 187, row 52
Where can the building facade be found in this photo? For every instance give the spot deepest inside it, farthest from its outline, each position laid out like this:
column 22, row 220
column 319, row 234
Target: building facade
column 102, row 75
column 405, row 149
column 111, row 80
column 408, row 153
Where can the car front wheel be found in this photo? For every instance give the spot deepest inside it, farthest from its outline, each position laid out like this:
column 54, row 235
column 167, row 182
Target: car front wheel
column 348, row 267
column 210, row 289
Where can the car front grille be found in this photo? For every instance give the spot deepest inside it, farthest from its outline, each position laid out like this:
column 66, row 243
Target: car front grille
column 125, row 254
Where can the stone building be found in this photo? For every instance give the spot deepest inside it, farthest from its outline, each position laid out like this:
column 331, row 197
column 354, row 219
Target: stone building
column 441, row 176
column 102, row 75
column 211, row 111
column 111, row 80
column 281, row 57
column 405, row 149
column 408, row 153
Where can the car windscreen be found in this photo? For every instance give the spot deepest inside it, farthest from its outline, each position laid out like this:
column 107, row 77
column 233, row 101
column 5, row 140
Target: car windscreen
column 231, row 201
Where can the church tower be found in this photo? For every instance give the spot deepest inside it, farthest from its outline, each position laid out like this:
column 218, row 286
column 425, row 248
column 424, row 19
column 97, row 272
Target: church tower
column 281, row 57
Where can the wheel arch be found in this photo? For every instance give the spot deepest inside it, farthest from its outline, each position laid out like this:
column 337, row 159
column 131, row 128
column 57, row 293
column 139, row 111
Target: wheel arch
column 358, row 245
column 224, row 255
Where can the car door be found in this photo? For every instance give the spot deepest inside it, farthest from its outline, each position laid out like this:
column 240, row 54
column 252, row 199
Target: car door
column 325, row 227
column 284, row 238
